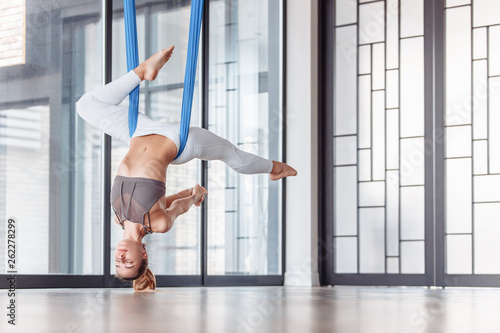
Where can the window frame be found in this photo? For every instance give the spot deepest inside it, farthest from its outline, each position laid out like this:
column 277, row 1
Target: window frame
column 107, row 280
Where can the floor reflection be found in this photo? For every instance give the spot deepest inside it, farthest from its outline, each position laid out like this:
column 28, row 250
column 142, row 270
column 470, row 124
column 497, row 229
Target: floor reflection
column 257, row 309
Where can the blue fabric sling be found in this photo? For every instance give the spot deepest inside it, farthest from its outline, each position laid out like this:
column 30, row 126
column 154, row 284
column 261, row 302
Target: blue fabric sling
column 189, row 76
column 132, row 61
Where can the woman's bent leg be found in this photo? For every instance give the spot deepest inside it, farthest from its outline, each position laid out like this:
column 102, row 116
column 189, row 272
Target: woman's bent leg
column 208, row 146
column 100, row 106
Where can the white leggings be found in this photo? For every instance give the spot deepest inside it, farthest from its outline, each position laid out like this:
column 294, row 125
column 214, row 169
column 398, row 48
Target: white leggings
column 100, row 109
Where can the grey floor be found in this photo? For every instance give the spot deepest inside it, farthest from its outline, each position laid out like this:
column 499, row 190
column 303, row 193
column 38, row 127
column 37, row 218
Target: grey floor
column 255, row 309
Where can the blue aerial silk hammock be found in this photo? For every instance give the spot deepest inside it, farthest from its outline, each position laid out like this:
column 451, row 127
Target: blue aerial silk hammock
column 189, row 76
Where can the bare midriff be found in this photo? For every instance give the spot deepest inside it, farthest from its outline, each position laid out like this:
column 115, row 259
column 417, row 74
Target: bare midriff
column 148, row 157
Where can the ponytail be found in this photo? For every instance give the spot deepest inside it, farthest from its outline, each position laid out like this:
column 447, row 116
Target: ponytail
column 147, row 281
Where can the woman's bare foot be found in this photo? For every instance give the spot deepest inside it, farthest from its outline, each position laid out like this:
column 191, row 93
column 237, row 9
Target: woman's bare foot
column 281, row 170
column 149, row 69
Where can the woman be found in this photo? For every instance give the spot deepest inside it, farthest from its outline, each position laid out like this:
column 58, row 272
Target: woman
column 138, row 193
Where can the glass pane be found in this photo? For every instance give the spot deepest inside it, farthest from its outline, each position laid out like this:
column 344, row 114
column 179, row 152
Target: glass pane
column 480, row 43
column 494, row 126
column 13, row 20
column 119, row 66
column 345, row 80
column 371, row 240
column 412, row 161
column 412, row 257
column 485, row 12
column 165, row 106
column 345, row 150
column 365, row 59
column 177, row 251
column 458, row 66
column 392, row 88
column 480, row 157
column 392, row 211
column 244, row 219
column 486, row 188
column 371, row 22
column 412, row 213
column 378, row 149
column 412, row 18
column 450, row 3
column 49, row 157
column 480, row 86
column 458, row 196
column 371, row 193
column 365, row 112
column 392, row 140
column 378, row 66
column 458, row 254
column 393, row 265
column 364, row 164
column 346, row 255
column 24, row 150
column 346, row 201
column 169, row 28
column 345, row 12
column 412, row 87
column 392, row 26
column 458, row 141
column 494, row 48
column 486, row 236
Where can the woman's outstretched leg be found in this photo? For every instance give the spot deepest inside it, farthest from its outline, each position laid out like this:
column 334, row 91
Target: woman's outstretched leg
column 101, row 109
column 208, row 146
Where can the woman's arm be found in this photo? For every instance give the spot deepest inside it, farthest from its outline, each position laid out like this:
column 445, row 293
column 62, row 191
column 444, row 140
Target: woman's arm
column 181, row 206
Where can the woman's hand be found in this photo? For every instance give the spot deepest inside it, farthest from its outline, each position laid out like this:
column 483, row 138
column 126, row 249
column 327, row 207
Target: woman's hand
column 199, row 193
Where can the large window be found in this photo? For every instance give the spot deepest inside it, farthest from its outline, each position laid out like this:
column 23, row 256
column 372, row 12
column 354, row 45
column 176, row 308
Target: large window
column 178, row 251
column 50, row 159
column 472, row 146
column 244, row 231
column 415, row 151
column 53, row 165
column 378, row 132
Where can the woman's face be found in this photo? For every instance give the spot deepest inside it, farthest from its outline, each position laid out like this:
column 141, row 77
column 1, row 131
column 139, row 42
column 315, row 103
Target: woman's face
column 128, row 258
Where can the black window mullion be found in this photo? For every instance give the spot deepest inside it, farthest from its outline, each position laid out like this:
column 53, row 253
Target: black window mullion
column 205, row 40
column 107, row 20
column 439, row 144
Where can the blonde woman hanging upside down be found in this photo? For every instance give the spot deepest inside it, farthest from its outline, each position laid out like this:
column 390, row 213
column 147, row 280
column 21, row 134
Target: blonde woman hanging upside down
column 138, row 193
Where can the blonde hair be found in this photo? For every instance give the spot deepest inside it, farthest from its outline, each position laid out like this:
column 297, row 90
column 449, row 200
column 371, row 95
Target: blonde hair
column 145, row 279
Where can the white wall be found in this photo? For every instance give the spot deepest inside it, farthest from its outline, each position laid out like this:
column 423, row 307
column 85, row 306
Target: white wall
column 302, row 142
